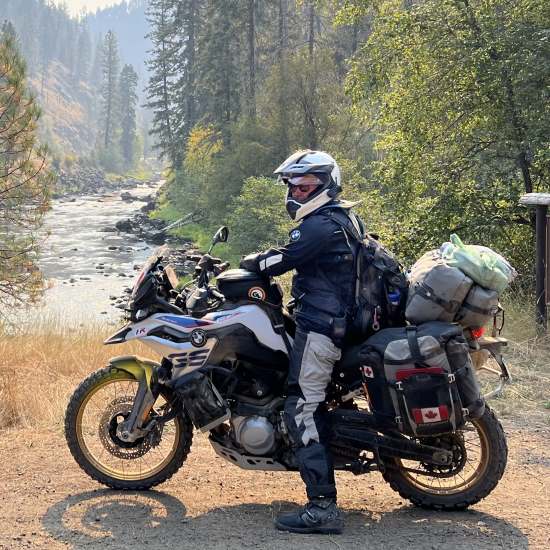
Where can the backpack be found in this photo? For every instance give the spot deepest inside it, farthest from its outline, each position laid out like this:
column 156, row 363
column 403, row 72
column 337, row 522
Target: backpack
column 380, row 282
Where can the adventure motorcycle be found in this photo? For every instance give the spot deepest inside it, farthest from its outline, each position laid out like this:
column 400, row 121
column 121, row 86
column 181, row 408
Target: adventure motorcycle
column 224, row 367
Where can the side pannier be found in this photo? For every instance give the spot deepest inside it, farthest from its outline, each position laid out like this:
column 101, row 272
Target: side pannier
column 420, row 379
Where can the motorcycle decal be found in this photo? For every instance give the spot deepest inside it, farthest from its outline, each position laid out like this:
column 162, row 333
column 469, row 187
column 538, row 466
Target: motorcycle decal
column 257, row 293
column 225, row 316
column 190, row 358
column 368, row 372
column 185, row 322
column 430, row 414
column 198, row 337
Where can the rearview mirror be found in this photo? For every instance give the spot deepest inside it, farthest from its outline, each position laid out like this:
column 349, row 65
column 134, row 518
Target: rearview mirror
column 220, row 237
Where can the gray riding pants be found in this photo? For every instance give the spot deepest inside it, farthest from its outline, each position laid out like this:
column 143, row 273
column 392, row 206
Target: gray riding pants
column 311, row 362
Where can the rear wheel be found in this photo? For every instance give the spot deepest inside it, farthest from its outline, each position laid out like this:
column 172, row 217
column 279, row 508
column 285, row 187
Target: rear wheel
column 479, row 459
column 99, row 404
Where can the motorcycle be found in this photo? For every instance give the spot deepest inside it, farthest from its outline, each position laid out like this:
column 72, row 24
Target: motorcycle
column 224, row 366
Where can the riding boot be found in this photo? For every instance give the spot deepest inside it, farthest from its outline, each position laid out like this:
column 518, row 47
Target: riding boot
column 318, row 516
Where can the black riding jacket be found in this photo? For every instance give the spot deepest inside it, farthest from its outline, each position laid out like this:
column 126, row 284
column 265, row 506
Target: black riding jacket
column 322, row 255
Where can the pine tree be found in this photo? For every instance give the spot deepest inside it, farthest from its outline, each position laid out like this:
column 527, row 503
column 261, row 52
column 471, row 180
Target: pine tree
column 221, row 74
column 84, row 50
column 109, row 89
column 128, row 99
column 184, row 90
column 161, row 64
column 24, row 181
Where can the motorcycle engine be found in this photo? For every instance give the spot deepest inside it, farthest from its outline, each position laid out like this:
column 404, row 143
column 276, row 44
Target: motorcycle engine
column 256, row 434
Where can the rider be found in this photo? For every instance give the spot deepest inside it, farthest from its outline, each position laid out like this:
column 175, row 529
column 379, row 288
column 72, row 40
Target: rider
column 323, row 287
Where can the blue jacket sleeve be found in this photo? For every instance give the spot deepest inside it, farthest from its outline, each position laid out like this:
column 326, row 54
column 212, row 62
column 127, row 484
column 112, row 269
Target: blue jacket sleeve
column 306, row 243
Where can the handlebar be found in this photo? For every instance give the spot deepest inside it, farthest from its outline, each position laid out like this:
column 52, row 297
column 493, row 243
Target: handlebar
column 204, row 258
column 217, row 295
column 220, row 268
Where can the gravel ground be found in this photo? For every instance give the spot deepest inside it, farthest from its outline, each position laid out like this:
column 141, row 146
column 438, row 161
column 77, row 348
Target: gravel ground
column 48, row 502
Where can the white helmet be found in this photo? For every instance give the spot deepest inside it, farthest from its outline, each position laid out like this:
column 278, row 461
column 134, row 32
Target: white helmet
column 321, row 165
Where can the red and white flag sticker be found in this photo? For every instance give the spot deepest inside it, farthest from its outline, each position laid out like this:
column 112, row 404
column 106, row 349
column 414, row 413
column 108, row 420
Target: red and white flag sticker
column 430, row 414
column 368, row 372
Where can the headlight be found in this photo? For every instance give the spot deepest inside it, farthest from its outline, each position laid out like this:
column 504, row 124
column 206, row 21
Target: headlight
column 141, row 314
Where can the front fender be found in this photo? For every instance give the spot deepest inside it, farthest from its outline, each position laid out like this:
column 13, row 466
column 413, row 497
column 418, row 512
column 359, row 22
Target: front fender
column 140, row 369
column 144, row 371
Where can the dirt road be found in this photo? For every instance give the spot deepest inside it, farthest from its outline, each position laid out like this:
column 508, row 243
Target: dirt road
column 48, row 502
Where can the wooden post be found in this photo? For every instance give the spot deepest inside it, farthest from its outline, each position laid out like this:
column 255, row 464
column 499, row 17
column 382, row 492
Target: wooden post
column 541, row 267
column 547, row 281
column 541, row 202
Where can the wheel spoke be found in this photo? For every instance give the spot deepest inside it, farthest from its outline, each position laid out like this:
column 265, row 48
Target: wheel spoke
column 110, row 402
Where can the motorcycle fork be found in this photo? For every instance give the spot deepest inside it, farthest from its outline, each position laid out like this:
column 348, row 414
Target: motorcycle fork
column 143, row 403
column 134, row 426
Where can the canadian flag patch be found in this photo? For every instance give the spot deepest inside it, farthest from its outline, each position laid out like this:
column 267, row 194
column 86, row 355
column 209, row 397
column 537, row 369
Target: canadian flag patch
column 430, row 414
column 368, row 372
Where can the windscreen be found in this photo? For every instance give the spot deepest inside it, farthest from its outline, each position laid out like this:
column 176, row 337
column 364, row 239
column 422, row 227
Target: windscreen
column 161, row 251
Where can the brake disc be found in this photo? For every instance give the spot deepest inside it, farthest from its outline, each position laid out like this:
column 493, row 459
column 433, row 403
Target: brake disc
column 117, row 412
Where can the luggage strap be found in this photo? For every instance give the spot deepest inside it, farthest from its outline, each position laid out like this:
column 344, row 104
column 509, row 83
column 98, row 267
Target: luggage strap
column 490, row 311
column 427, row 292
column 413, row 344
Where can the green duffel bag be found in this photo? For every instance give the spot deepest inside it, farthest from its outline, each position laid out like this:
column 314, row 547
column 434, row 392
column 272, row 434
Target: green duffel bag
column 484, row 266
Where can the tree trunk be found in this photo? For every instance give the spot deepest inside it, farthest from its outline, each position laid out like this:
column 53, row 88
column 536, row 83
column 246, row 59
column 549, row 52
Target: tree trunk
column 283, row 50
column 251, row 60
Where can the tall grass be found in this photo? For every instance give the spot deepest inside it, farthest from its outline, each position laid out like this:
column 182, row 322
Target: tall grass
column 42, row 363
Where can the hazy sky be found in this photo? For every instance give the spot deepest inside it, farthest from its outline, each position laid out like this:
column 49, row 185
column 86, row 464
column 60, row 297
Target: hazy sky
column 75, row 6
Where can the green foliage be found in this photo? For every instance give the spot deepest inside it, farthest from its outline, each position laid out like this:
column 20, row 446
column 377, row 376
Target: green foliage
column 457, row 94
column 258, row 218
column 127, row 105
column 109, row 94
column 24, row 181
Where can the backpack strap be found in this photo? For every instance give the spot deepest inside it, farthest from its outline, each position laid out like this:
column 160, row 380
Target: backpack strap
column 344, row 220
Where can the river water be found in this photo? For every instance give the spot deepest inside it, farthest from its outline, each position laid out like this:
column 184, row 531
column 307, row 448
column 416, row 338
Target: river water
column 86, row 266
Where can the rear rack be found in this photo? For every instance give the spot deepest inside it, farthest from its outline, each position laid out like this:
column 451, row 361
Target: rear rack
column 494, row 345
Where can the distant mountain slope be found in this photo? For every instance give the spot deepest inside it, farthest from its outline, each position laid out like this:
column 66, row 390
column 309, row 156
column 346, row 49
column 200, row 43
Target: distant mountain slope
column 128, row 22
column 63, row 56
column 69, row 120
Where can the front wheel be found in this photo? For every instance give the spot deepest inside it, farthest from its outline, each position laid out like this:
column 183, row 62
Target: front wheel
column 479, row 459
column 99, row 404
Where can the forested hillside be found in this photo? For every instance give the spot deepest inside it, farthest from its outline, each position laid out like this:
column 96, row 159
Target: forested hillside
column 79, row 71
column 437, row 111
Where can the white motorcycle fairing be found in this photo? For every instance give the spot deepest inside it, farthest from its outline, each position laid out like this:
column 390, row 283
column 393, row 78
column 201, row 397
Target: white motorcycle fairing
column 189, row 342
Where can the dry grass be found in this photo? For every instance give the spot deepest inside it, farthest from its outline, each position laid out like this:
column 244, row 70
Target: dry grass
column 41, row 367
column 529, row 359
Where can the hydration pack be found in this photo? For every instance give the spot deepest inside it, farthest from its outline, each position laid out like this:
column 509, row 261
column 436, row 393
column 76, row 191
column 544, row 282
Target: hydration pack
column 380, row 282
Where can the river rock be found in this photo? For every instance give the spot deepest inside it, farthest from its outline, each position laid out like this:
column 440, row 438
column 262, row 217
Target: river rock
column 128, row 197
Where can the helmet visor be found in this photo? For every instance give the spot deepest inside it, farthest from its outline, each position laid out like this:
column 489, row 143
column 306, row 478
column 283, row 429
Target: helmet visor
column 301, row 188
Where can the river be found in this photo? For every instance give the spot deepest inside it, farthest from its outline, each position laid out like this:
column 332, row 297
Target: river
column 85, row 265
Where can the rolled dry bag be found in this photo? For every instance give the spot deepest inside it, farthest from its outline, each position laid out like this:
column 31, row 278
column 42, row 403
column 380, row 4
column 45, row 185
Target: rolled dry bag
column 479, row 307
column 436, row 290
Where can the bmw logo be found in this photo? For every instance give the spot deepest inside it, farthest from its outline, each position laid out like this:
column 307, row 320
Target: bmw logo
column 198, row 338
